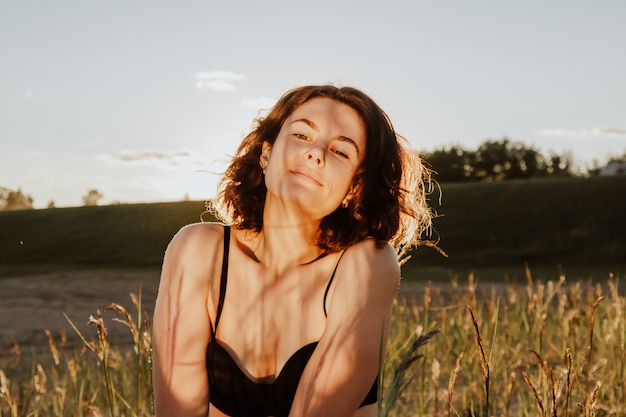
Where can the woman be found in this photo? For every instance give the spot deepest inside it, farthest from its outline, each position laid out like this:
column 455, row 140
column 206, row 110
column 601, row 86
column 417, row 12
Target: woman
column 285, row 311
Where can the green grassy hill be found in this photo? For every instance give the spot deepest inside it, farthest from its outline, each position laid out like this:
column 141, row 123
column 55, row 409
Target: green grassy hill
column 126, row 235
column 573, row 222
column 577, row 223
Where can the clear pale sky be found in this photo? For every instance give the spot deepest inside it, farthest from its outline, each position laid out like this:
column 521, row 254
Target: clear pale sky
column 145, row 100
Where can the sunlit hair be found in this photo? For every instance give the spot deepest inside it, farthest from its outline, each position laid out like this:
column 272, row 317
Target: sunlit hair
column 389, row 188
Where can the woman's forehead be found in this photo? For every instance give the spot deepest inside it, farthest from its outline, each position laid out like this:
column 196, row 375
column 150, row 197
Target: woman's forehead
column 329, row 110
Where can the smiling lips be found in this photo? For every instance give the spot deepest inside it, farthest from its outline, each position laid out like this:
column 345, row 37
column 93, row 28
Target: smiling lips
column 307, row 174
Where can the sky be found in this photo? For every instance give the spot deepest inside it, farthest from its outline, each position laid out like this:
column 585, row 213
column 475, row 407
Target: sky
column 146, row 100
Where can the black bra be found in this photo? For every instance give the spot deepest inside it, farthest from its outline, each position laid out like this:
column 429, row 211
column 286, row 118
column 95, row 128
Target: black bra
column 233, row 393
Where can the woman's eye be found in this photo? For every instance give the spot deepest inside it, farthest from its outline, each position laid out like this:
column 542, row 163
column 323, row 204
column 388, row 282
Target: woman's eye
column 341, row 154
column 301, row 136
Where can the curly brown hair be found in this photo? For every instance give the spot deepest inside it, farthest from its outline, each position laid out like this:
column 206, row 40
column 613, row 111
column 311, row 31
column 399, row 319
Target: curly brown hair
column 389, row 189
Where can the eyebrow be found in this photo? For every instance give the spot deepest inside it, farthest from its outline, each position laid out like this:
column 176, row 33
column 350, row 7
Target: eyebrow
column 341, row 137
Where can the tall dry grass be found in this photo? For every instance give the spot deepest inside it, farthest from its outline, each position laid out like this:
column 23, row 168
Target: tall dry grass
column 96, row 379
column 549, row 348
column 553, row 348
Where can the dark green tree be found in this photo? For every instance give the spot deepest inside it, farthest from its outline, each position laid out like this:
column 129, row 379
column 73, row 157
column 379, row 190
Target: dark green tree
column 452, row 163
column 496, row 160
column 560, row 165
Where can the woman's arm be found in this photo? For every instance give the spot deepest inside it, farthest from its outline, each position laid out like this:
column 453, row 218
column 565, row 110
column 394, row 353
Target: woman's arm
column 181, row 323
column 346, row 361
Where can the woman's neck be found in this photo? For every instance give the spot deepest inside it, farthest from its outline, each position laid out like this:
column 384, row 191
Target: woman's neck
column 288, row 239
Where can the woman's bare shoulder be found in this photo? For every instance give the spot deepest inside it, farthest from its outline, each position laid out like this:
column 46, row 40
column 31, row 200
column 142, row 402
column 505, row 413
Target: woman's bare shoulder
column 197, row 236
column 369, row 258
column 201, row 230
column 371, row 267
column 195, row 249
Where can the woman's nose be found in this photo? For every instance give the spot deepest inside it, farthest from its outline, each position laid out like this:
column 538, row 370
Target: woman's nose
column 315, row 154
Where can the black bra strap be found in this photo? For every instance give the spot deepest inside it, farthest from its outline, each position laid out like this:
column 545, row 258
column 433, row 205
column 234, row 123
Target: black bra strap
column 223, row 277
column 330, row 281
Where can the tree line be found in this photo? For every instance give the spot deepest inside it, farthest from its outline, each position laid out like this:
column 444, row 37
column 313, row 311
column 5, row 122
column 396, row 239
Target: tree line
column 17, row 200
column 496, row 160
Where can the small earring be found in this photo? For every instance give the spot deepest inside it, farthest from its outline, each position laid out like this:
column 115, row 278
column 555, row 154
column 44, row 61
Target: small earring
column 344, row 203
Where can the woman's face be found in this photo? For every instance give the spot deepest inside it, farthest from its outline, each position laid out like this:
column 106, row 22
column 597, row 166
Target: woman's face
column 315, row 156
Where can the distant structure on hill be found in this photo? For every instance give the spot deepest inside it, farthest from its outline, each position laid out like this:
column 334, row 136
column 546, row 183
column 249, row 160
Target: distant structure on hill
column 614, row 167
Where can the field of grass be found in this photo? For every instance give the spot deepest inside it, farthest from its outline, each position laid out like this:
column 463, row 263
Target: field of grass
column 540, row 348
column 126, row 235
column 545, row 223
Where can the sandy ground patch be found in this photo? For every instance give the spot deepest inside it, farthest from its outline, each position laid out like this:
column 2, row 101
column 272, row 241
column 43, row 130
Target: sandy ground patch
column 31, row 304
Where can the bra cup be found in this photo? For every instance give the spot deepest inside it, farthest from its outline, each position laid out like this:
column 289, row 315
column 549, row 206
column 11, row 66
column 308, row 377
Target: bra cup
column 229, row 384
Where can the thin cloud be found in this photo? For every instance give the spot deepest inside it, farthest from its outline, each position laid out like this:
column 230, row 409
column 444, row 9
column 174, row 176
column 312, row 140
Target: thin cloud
column 261, row 103
column 172, row 157
column 217, row 80
column 583, row 133
column 164, row 159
